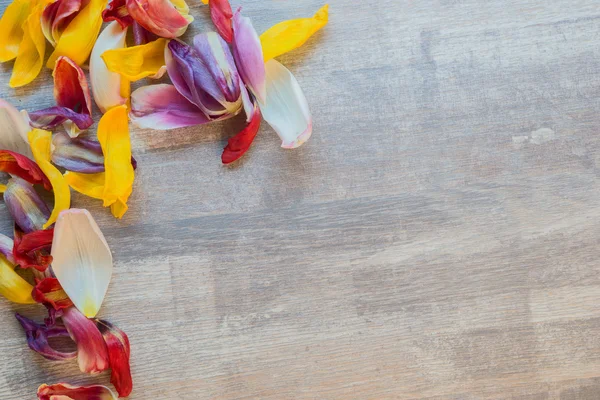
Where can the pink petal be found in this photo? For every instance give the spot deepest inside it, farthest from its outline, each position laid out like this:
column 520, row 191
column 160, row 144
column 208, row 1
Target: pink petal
column 64, row 391
column 221, row 14
column 159, row 17
column 92, row 354
column 248, row 55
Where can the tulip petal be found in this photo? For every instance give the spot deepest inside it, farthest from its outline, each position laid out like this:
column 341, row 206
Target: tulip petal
column 40, row 142
column 26, row 207
column 13, row 130
column 12, row 286
column 117, row 11
column 31, row 250
column 56, row 17
column 161, row 17
column 92, row 354
column 91, row 185
column 77, row 154
column 37, row 339
column 51, row 117
column 289, row 35
column 6, row 248
column 64, row 391
column 248, row 55
column 119, row 351
column 162, row 107
column 221, row 14
column 113, row 135
column 30, row 56
column 21, row 166
column 11, row 28
column 142, row 35
column 286, row 109
column 109, row 88
column 82, row 261
column 78, row 38
column 137, row 62
column 240, row 143
column 48, row 291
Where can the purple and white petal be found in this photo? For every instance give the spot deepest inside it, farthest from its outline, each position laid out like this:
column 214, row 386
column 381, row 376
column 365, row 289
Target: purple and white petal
column 248, row 55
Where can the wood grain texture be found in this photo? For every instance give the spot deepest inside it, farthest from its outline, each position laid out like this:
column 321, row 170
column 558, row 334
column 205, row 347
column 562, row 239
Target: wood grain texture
column 437, row 238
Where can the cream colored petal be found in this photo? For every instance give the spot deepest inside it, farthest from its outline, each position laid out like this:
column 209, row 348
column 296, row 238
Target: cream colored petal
column 14, row 127
column 81, row 260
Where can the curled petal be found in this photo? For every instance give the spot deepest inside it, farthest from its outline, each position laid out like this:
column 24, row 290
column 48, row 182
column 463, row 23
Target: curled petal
column 248, row 55
column 48, row 291
column 79, row 155
column 6, row 248
column 11, row 30
column 240, row 143
column 26, row 207
column 221, row 14
column 13, row 129
column 37, row 339
column 56, row 17
column 164, row 18
column 40, row 142
column 12, row 286
column 109, row 88
column 286, row 109
column 289, row 35
column 137, row 62
column 32, row 250
column 113, row 135
column 64, row 391
column 92, row 354
column 51, row 117
column 162, row 107
column 82, row 261
column 91, row 185
column 77, row 40
column 119, row 351
column 30, row 56
column 142, row 35
column 21, row 166
column 117, row 11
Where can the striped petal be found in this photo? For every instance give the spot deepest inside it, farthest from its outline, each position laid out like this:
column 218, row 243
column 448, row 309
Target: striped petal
column 81, row 260
column 25, row 205
column 248, row 56
column 64, row 391
column 108, row 88
column 14, row 127
column 289, row 35
column 164, row 18
column 12, row 286
column 92, row 354
column 79, row 155
column 11, row 28
column 286, row 109
column 30, row 56
column 137, row 62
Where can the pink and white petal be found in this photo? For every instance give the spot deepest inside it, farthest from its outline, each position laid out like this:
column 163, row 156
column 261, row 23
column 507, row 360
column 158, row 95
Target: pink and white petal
column 162, row 107
column 106, row 85
column 248, row 55
column 286, row 109
column 14, row 127
column 92, row 354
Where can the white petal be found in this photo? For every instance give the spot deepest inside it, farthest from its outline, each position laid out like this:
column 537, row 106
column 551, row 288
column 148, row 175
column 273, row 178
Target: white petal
column 106, row 85
column 286, row 109
column 81, row 260
column 14, row 127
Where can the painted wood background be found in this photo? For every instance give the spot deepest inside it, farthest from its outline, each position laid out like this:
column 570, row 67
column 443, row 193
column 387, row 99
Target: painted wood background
column 437, row 238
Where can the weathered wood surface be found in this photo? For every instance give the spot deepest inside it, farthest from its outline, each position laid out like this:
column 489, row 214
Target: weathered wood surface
column 436, row 239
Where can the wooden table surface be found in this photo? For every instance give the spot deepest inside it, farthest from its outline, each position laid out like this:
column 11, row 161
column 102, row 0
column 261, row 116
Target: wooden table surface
column 437, row 238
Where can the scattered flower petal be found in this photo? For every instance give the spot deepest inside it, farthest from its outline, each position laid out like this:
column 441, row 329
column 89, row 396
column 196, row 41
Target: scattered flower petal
column 32, row 250
column 119, row 351
column 13, row 130
column 50, row 118
column 248, row 55
column 117, row 11
column 12, row 286
column 21, row 166
column 142, row 35
column 56, row 17
column 11, row 30
column 289, row 35
column 240, row 143
column 286, row 109
column 79, row 155
column 221, row 14
column 25, row 206
column 91, row 185
column 92, row 354
column 37, row 339
column 164, row 18
column 30, row 56
column 48, row 291
column 63, row 391
column 137, row 62
column 6, row 248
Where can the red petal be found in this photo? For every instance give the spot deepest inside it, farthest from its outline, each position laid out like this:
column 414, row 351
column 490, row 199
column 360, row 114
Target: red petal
column 92, row 355
column 21, row 166
column 117, row 11
column 48, row 291
column 240, row 143
column 71, row 88
column 64, row 391
column 221, row 14
column 31, row 250
column 117, row 343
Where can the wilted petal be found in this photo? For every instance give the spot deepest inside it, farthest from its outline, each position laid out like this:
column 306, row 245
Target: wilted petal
column 26, row 207
column 71, row 90
column 32, row 250
column 162, row 107
column 142, row 35
column 221, row 14
column 48, row 291
column 63, row 391
column 12, row 286
column 40, row 142
column 137, row 62
column 13, row 129
column 240, row 143
column 113, row 135
column 77, row 40
column 51, row 117
column 91, row 185
column 109, row 88
column 30, row 56
column 37, row 339
column 79, row 155
column 162, row 17
column 11, row 30
column 117, row 11
column 248, row 55
column 92, row 354
column 119, row 351
column 82, row 261
column 286, row 109
column 21, row 166
column 56, row 17
column 289, row 35
column 6, row 248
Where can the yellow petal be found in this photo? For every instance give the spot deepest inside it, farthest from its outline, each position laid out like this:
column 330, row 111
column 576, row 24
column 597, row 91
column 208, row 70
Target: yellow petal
column 2, row 188
column 289, row 35
column 12, row 286
column 137, row 62
column 30, row 56
column 78, row 38
column 91, row 185
column 40, row 142
column 113, row 135
column 205, row 1
column 11, row 28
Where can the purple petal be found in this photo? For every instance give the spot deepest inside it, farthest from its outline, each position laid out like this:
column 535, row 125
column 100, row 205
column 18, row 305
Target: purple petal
column 50, row 118
column 248, row 55
column 141, row 35
column 77, row 155
column 26, row 207
column 6, row 248
column 37, row 339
